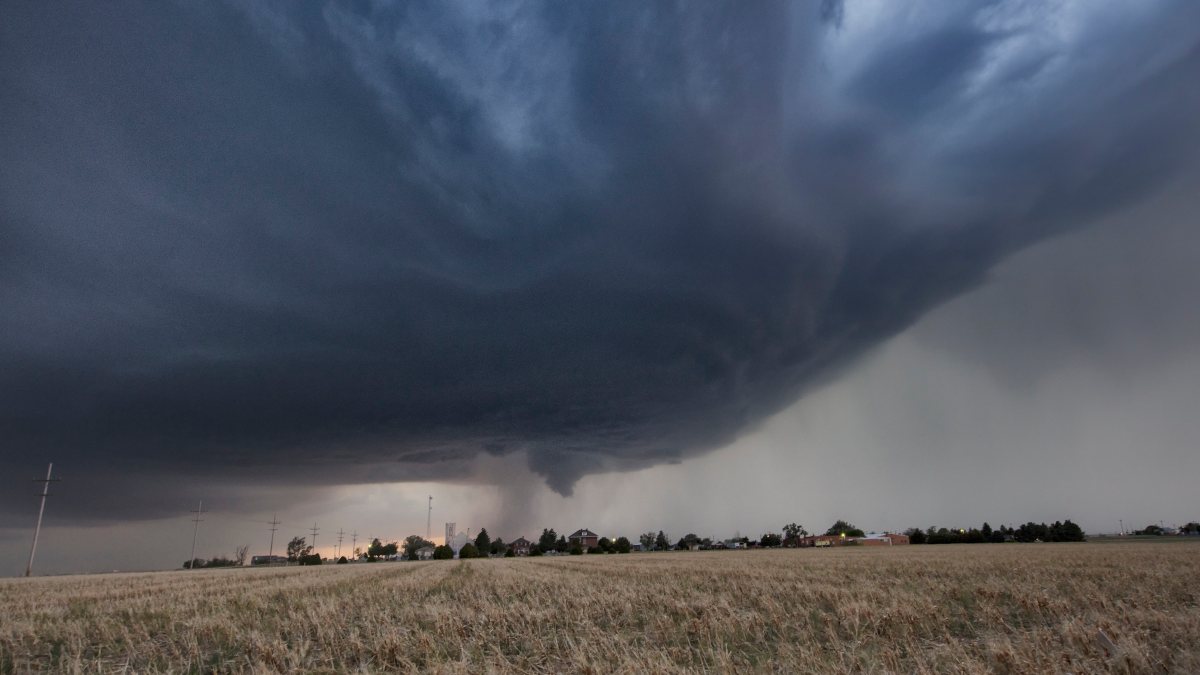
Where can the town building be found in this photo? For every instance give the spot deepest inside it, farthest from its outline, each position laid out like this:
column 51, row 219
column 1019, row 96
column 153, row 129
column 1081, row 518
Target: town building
column 585, row 538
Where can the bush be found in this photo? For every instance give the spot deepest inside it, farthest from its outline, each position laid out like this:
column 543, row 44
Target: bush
column 509, row 554
column 443, row 552
column 595, row 549
column 310, row 559
column 622, row 545
column 535, row 552
column 342, row 560
column 576, row 550
column 468, row 551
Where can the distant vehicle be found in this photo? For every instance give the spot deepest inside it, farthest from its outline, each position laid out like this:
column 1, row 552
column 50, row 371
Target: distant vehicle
column 268, row 560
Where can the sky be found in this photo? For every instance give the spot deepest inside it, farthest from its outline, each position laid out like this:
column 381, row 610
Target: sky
column 625, row 266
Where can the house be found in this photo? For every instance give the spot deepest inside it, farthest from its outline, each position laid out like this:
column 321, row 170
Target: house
column 268, row 560
column 425, row 553
column 520, row 546
column 885, row 539
column 584, row 538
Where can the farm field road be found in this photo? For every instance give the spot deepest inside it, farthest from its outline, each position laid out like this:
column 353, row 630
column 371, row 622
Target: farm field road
column 1021, row 608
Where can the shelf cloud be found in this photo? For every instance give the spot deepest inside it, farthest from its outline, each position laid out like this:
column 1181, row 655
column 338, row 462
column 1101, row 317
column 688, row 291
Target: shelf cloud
column 321, row 244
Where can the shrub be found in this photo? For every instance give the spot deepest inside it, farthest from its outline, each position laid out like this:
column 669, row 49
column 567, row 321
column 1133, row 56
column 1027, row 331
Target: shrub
column 443, row 552
column 576, row 550
column 468, row 551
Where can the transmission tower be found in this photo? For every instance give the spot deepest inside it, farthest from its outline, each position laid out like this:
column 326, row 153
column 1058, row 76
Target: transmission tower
column 42, row 509
column 429, row 520
column 196, row 519
column 339, row 546
column 274, row 526
column 354, row 542
column 314, row 534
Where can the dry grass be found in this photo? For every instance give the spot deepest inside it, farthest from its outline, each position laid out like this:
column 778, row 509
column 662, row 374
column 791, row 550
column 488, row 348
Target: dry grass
column 964, row 609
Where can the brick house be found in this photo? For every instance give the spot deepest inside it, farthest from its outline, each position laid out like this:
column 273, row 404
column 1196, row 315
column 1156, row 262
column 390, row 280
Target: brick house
column 520, row 546
column 585, row 538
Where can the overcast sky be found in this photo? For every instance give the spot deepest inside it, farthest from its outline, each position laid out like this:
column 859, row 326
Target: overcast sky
column 629, row 266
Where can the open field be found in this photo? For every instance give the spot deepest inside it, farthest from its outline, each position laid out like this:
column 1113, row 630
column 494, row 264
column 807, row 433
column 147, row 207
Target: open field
column 982, row 608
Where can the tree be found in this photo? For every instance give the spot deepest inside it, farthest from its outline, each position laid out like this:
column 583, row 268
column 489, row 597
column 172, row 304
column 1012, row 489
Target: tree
column 311, row 558
column 483, row 543
column 443, row 552
column 604, row 544
column 468, row 551
column 547, row 540
column 561, row 545
column 661, row 543
column 842, row 527
column 915, row 535
column 576, row 549
column 342, row 561
column 793, row 533
column 770, row 540
column 414, row 543
column 510, row 554
column 378, row 549
column 622, row 545
column 535, row 551
column 685, row 543
column 986, row 531
column 297, row 548
column 239, row 556
column 498, row 546
column 646, row 540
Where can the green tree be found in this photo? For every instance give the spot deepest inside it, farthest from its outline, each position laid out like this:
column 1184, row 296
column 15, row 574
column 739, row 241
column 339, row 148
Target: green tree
column 622, row 545
column 547, row 540
column 661, row 542
column 792, row 533
column 561, row 545
column 443, row 552
column 770, row 540
column 576, row 549
column 842, row 527
column 468, row 551
column 604, row 544
column 646, row 540
column 498, row 546
column 483, row 543
column 297, row 548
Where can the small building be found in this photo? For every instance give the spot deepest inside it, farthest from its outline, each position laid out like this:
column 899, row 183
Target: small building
column 823, row 540
column 268, row 560
column 520, row 546
column 584, row 538
column 425, row 553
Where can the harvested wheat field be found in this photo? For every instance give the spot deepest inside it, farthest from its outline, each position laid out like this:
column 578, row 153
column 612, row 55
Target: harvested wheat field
column 1083, row 608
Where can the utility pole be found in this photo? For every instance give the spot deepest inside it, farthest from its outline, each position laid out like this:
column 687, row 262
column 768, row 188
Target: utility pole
column 1122, row 522
column 274, row 526
column 339, row 546
column 354, row 544
column 195, row 531
column 314, row 534
column 429, row 519
column 42, row 509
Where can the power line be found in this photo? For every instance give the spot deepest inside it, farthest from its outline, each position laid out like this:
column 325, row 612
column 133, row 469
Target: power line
column 274, row 526
column 42, row 509
column 354, row 543
column 339, row 546
column 195, row 531
column 314, row 534
column 429, row 519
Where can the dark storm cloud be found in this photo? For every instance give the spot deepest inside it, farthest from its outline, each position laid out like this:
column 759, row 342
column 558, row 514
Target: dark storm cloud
column 368, row 242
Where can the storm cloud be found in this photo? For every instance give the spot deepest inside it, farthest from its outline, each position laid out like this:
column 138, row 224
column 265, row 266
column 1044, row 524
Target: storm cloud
column 336, row 243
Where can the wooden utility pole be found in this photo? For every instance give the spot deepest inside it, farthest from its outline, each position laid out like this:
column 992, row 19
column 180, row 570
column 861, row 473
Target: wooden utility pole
column 42, row 509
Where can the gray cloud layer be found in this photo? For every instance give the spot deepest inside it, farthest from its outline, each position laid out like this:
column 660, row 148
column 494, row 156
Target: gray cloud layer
column 341, row 243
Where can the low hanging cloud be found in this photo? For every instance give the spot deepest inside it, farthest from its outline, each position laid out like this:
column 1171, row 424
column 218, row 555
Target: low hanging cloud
column 323, row 244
